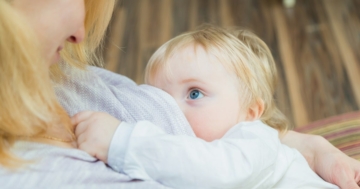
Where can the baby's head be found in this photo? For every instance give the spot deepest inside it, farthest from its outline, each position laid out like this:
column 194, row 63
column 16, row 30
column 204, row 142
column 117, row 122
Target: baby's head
column 218, row 78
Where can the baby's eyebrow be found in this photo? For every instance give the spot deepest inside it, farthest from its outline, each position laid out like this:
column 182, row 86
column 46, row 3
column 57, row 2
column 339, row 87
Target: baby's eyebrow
column 189, row 80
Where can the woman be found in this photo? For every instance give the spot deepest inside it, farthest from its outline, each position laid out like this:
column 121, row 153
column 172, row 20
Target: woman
column 36, row 149
column 37, row 139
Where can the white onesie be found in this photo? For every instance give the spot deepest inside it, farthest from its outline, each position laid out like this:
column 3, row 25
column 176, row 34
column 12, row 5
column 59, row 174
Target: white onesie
column 144, row 151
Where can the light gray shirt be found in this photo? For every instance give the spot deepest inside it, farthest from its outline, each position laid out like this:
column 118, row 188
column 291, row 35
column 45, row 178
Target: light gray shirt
column 55, row 167
column 96, row 90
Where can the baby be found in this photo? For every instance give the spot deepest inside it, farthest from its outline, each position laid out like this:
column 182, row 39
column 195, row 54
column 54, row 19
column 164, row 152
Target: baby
column 218, row 80
column 224, row 83
column 221, row 78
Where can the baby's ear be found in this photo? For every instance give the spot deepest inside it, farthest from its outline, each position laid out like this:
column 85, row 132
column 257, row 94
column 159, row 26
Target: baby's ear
column 255, row 111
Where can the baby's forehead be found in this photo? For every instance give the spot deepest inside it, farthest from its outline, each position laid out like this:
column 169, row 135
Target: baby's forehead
column 181, row 53
column 198, row 50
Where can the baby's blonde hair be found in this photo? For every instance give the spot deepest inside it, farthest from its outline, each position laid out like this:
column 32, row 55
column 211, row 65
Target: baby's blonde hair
column 29, row 106
column 241, row 52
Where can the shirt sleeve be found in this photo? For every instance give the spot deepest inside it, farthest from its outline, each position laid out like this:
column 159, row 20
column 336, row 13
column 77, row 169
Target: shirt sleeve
column 245, row 157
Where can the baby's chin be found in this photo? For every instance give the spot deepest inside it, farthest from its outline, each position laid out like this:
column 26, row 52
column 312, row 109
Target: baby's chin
column 209, row 137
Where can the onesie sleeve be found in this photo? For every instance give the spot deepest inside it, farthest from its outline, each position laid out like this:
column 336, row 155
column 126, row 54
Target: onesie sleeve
column 244, row 158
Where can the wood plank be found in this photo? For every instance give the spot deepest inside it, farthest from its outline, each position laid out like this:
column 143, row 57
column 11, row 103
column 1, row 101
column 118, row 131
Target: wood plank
column 144, row 20
column 284, row 41
column 214, row 13
column 166, row 21
column 267, row 32
column 181, row 16
column 226, row 18
column 130, row 52
column 113, row 46
column 337, row 91
column 347, row 54
column 193, row 19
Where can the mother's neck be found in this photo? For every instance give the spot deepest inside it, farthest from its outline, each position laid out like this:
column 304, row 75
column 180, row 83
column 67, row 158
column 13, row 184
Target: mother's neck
column 61, row 134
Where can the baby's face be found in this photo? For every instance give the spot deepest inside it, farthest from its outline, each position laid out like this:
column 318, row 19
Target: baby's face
column 205, row 91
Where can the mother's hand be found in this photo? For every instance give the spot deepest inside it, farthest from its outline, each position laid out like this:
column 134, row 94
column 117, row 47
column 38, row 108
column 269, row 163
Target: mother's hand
column 325, row 159
column 336, row 167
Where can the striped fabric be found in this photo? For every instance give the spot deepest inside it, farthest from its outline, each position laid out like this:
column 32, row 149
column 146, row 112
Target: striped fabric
column 343, row 131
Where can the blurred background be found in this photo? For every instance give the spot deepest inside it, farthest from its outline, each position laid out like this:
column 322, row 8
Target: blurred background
column 315, row 44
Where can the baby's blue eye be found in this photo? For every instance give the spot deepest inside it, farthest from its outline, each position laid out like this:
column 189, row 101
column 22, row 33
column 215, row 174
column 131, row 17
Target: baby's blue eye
column 195, row 94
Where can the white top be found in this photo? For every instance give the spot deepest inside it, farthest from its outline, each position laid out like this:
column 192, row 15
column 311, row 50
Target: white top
column 250, row 155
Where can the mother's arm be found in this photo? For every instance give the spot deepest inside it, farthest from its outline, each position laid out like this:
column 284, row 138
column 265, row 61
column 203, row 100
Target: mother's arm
column 325, row 159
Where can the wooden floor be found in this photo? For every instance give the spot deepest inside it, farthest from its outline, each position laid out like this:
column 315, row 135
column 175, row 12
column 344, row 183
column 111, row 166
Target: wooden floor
column 315, row 44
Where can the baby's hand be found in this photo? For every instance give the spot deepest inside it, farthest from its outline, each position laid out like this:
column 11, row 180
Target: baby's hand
column 94, row 131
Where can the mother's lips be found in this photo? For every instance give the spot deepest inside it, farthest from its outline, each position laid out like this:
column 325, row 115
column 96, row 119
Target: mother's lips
column 60, row 48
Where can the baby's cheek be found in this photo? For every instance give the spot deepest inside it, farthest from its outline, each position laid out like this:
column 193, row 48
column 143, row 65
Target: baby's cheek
column 195, row 123
column 203, row 127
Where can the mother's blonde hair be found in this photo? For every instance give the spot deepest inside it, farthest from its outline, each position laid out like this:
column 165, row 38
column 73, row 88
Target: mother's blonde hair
column 28, row 103
column 241, row 52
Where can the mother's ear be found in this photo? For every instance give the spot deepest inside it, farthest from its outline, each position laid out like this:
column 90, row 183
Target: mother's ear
column 255, row 111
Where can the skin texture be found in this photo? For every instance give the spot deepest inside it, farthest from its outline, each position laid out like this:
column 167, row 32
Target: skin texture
column 206, row 92
column 58, row 21
column 54, row 21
